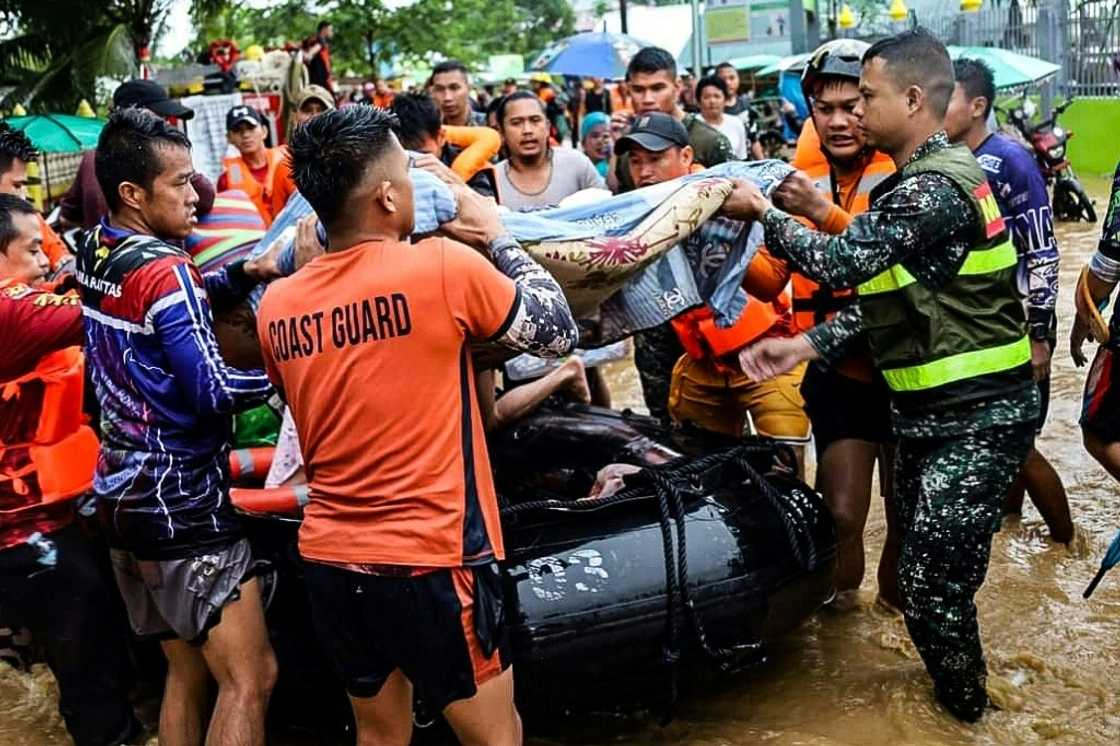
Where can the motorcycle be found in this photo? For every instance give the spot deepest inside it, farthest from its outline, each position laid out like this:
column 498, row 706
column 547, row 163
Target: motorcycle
column 765, row 127
column 1047, row 140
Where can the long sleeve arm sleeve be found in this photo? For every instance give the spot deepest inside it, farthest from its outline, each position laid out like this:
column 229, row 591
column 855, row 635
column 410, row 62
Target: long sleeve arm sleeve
column 923, row 211
column 540, row 322
column 184, row 325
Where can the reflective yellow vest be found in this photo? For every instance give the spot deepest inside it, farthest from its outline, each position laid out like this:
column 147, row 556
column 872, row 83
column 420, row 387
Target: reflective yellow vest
column 965, row 340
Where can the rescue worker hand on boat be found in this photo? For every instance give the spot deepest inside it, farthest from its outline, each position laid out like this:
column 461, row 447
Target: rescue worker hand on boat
column 933, row 247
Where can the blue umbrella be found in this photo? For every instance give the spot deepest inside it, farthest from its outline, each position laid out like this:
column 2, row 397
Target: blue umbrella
column 1111, row 559
column 591, row 54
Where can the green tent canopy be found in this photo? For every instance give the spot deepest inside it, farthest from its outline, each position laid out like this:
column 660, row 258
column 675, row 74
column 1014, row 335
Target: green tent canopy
column 1010, row 68
column 59, row 133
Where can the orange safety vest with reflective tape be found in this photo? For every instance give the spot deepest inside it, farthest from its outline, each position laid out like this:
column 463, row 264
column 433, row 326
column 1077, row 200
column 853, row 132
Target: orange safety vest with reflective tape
column 63, row 452
column 240, row 177
column 812, row 303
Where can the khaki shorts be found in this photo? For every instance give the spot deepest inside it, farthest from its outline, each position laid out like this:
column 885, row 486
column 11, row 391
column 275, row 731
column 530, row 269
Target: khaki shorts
column 723, row 402
column 181, row 598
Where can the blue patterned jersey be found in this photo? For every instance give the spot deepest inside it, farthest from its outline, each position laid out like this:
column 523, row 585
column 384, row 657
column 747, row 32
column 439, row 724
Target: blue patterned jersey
column 1021, row 193
column 166, row 396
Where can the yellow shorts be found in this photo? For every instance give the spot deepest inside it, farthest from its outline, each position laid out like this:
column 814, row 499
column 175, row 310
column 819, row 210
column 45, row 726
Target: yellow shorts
column 722, row 402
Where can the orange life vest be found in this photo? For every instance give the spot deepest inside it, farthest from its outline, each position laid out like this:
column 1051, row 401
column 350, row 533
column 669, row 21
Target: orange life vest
column 63, row 452
column 703, row 339
column 240, row 177
column 812, row 304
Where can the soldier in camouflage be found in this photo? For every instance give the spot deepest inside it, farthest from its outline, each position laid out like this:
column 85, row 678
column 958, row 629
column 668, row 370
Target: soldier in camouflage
column 935, row 270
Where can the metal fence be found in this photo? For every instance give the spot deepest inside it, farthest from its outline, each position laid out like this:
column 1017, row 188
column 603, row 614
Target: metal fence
column 1083, row 36
column 1091, row 59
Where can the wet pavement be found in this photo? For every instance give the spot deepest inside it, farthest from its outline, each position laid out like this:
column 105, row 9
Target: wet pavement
column 853, row 677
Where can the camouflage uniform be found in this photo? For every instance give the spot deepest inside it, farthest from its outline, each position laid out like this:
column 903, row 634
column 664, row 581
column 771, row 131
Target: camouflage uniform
column 656, row 351
column 954, row 463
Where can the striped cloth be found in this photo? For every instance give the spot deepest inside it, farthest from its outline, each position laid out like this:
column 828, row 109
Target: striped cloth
column 227, row 233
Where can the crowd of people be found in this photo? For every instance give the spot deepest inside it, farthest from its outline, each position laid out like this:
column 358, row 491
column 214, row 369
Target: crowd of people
column 901, row 317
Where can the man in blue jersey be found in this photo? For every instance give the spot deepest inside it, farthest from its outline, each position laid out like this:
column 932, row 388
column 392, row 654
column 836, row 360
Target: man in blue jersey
column 182, row 563
column 1021, row 193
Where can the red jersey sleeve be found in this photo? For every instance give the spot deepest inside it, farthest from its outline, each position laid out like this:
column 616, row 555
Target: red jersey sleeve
column 34, row 323
column 479, row 297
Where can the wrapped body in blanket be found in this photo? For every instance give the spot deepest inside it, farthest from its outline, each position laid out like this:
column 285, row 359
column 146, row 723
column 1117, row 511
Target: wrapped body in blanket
column 627, row 263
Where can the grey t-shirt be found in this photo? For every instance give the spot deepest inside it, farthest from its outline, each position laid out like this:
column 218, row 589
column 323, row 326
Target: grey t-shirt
column 572, row 171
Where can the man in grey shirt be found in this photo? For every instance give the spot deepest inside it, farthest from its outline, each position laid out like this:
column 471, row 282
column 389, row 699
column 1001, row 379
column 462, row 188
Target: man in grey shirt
column 537, row 176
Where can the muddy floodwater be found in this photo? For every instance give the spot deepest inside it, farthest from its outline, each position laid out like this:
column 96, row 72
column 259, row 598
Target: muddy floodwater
column 854, row 677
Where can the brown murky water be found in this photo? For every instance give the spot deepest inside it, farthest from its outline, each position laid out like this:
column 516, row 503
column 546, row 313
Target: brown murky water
column 854, row 678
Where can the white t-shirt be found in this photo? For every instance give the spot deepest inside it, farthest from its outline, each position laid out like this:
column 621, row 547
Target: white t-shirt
column 572, row 171
column 736, row 132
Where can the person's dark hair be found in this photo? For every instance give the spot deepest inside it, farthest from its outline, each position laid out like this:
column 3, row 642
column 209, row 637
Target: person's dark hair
column 418, row 119
column 723, row 65
column 331, row 153
column 322, row 25
column 651, row 60
column 450, row 66
column 494, row 105
column 128, row 150
column 9, row 205
column 712, row 82
column 517, row 96
column 977, row 79
column 917, row 57
column 14, row 145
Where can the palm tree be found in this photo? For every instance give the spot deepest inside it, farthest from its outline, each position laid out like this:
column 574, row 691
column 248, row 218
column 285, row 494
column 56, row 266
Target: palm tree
column 51, row 54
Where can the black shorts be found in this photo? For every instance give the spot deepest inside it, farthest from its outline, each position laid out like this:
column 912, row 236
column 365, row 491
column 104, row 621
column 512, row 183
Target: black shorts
column 840, row 408
column 443, row 629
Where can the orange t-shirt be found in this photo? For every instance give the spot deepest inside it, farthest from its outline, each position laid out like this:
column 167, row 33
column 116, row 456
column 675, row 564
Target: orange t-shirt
column 371, row 348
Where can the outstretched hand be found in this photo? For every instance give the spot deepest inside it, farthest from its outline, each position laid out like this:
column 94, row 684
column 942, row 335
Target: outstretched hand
column 798, row 195
column 477, row 223
column 774, row 356
column 746, row 202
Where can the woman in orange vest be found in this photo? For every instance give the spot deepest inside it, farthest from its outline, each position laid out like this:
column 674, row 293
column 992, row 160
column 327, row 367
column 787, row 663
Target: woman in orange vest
column 49, row 577
column 261, row 173
column 847, row 404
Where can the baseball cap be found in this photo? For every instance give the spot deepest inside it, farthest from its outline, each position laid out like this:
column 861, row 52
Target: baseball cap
column 316, row 92
column 654, row 132
column 241, row 113
column 148, row 94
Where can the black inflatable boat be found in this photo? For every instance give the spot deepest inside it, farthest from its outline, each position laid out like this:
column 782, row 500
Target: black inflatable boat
column 695, row 562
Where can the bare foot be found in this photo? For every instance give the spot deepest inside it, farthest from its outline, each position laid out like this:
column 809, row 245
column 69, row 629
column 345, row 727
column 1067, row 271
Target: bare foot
column 577, row 380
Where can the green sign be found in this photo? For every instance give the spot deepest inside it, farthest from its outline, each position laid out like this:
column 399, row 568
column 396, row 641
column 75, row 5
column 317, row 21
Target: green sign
column 727, row 24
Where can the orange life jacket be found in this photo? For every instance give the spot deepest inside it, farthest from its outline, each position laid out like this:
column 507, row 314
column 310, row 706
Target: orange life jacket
column 813, row 304
column 240, row 177
column 703, row 339
column 63, row 451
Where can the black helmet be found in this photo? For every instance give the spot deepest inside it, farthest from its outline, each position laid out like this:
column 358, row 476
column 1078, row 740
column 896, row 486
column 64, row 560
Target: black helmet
column 841, row 58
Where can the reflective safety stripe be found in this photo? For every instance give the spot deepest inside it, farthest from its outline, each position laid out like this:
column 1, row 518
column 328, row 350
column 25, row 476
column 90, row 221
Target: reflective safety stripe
column 959, row 367
column 976, row 263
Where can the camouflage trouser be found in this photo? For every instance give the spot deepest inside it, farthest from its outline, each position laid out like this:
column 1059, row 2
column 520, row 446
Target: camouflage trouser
column 656, row 351
column 949, row 494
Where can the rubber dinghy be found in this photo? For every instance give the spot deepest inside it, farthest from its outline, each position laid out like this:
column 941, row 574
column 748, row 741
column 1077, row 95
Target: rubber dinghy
column 604, row 597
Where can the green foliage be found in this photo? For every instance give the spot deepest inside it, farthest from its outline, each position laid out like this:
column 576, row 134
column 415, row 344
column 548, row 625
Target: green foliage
column 53, row 52
column 368, row 33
